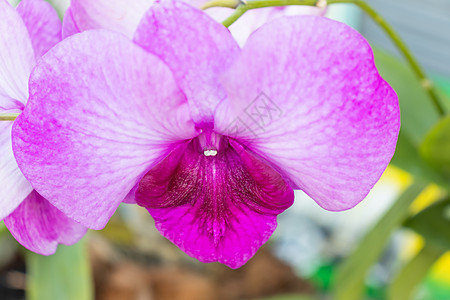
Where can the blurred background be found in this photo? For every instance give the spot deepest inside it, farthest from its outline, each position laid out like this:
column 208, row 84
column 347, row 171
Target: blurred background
column 378, row 250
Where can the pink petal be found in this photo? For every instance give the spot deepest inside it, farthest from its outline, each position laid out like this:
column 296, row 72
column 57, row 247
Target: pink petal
column 43, row 24
column 9, row 105
column 219, row 14
column 195, row 47
column 118, row 15
column 14, row 187
column 305, row 93
column 130, row 197
column 16, row 55
column 40, row 227
column 254, row 19
column 69, row 26
column 95, row 123
column 215, row 208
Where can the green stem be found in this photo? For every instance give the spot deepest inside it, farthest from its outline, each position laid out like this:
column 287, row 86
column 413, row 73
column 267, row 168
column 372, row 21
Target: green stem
column 426, row 83
column 240, row 10
column 64, row 275
column 221, row 3
column 8, row 117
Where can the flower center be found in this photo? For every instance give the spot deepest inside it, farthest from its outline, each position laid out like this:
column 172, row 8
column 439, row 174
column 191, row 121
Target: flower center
column 210, row 143
column 210, row 152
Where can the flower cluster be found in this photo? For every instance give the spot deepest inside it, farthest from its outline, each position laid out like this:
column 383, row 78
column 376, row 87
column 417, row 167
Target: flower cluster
column 166, row 110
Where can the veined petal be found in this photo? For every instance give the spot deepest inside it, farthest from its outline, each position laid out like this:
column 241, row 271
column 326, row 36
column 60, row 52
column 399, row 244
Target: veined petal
column 220, row 207
column 306, row 94
column 69, row 26
column 117, row 15
column 195, row 47
column 14, row 187
column 40, row 227
column 9, row 105
column 16, row 55
column 43, row 24
column 130, row 197
column 95, row 123
column 253, row 19
column 219, row 14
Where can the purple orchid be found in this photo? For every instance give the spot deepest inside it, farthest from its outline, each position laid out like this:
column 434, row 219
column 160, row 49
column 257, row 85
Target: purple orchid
column 211, row 139
column 25, row 35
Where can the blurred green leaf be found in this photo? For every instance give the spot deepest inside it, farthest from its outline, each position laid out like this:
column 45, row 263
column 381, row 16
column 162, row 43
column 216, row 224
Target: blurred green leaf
column 322, row 278
column 407, row 157
column 436, row 147
column 64, row 275
column 3, row 228
column 290, row 297
column 8, row 247
column 350, row 277
column 444, row 95
column 60, row 6
column 409, row 278
column 443, row 85
column 14, row 2
column 433, row 224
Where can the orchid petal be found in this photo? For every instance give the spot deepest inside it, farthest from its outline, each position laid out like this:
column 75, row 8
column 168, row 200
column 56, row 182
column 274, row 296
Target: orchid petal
column 14, row 187
column 306, row 94
column 94, row 123
column 16, row 55
column 195, row 47
column 215, row 208
column 117, row 15
column 39, row 226
column 253, row 19
column 9, row 105
column 69, row 26
column 130, row 197
column 43, row 24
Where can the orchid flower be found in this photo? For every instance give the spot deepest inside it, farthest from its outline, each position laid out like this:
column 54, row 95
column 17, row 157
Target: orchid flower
column 124, row 16
column 210, row 138
column 25, row 35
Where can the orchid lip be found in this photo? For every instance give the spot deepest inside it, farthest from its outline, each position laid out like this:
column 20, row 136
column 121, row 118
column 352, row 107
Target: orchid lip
column 211, row 143
column 211, row 194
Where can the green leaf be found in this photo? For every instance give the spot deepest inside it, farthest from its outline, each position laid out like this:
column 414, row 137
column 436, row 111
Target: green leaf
column 64, row 275
column 409, row 278
column 350, row 276
column 407, row 157
column 3, row 228
column 443, row 85
column 433, row 224
column 290, row 297
column 60, row 6
column 435, row 148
